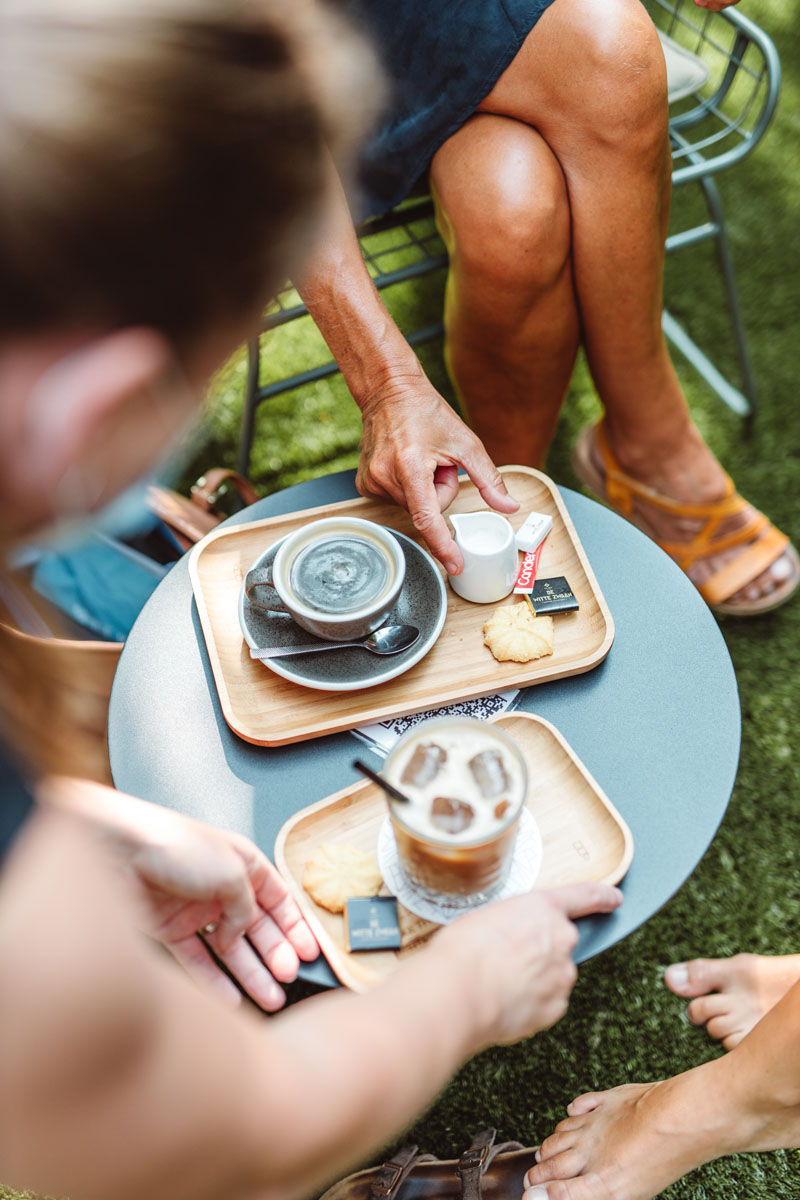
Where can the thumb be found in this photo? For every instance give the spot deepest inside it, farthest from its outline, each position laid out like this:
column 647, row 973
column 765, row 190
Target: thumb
column 581, row 899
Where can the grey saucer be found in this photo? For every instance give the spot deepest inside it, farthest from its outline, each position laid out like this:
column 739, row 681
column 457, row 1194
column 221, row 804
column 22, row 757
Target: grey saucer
column 422, row 602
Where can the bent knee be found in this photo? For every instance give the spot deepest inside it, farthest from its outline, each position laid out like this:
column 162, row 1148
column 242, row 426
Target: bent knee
column 623, row 87
column 510, row 220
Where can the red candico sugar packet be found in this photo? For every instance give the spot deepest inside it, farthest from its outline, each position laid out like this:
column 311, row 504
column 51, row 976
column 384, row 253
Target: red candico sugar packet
column 527, row 572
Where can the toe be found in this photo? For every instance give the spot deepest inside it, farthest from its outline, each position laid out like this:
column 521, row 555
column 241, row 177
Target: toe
column 585, row 1103
column 720, row 1028
column 696, row 977
column 562, row 1166
column 558, row 1143
column 707, row 1008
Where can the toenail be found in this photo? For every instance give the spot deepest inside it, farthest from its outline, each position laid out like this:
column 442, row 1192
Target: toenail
column 678, row 974
column 781, row 569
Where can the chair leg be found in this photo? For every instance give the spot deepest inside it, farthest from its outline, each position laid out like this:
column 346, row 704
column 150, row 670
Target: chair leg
column 725, row 260
column 250, row 403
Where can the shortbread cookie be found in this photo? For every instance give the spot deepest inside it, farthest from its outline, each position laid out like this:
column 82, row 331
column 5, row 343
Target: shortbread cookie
column 338, row 871
column 514, row 633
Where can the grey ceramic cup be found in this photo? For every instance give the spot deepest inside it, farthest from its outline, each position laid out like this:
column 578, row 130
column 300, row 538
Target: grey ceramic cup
column 271, row 587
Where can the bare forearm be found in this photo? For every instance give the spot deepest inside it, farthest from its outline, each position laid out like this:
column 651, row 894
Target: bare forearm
column 347, row 308
column 384, row 1056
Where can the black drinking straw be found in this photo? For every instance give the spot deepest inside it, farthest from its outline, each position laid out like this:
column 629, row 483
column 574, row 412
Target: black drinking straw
column 389, row 788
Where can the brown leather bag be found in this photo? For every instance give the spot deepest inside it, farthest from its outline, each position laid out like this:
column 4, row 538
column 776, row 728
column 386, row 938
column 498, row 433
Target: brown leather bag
column 487, row 1171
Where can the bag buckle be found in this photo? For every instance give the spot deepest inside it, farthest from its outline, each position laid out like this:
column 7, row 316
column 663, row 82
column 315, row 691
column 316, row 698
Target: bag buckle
column 472, row 1158
column 387, row 1180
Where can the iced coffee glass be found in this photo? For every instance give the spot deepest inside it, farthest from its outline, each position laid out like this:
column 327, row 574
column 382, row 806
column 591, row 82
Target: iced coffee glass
column 466, row 781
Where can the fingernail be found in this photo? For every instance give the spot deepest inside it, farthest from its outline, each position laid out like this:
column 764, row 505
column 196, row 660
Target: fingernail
column 537, row 1193
column 452, row 568
column 538, row 1156
column 678, row 974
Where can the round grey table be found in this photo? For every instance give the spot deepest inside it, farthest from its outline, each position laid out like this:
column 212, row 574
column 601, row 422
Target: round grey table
column 657, row 723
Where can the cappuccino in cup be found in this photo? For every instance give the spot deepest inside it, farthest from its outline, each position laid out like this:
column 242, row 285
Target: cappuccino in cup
column 338, row 577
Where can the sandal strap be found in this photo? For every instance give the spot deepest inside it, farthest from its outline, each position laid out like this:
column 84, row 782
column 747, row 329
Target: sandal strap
column 686, row 554
column 473, row 1162
column 621, row 490
column 762, row 544
column 746, row 567
column 390, row 1177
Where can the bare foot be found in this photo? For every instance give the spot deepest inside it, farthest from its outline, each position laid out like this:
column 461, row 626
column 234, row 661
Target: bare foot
column 732, row 994
column 684, row 469
column 631, row 1142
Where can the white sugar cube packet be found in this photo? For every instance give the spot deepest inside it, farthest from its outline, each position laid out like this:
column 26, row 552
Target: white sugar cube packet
column 380, row 736
column 533, row 531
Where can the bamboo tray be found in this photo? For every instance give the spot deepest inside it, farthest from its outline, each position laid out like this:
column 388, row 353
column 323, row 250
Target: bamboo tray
column 265, row 709
column 584, row 838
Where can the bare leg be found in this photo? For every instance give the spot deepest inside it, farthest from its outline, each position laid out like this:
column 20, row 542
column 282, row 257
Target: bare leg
column 632, row 1142
column 590, row 78
column 510, row 311
column 730, row 995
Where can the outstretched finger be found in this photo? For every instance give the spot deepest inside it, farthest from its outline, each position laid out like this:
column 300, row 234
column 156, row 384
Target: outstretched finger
column 581, row 899
column 488, row 480
column 285, row 914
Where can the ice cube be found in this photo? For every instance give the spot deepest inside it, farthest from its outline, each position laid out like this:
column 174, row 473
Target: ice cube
column 489, row 773
column 423, row 766
column 451, row 816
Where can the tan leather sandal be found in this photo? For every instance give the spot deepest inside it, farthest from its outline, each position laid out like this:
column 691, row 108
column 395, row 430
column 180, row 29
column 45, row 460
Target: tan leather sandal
column 761, row 543
column 487, row 1171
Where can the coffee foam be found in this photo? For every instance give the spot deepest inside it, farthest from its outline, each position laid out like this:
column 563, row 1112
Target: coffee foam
column 356, row 538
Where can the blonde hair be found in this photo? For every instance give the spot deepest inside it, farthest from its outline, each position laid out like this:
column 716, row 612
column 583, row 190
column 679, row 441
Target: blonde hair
column 161, row 162
column 161, row 159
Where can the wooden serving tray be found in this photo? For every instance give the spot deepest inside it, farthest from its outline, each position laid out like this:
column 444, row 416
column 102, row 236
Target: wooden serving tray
column 583, row 835
column 266, row 709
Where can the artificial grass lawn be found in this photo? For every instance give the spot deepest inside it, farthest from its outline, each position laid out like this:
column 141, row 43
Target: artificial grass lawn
column 623, row 1025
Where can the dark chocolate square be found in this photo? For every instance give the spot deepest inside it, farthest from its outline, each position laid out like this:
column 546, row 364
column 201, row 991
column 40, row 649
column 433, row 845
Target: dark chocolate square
column 552, row 596
column 372, row 924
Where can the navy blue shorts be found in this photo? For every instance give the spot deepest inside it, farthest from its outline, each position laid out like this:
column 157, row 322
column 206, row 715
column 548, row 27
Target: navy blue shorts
column 441, row 57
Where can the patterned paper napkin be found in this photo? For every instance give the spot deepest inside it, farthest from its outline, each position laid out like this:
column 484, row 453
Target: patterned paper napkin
column 380, row 736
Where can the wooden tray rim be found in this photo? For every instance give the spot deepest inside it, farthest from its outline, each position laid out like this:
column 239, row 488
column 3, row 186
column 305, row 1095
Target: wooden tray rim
column 374, row 712
column 337, row 958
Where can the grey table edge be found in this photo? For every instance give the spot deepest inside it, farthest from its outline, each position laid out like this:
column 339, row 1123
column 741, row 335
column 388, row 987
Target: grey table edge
column 657, row 724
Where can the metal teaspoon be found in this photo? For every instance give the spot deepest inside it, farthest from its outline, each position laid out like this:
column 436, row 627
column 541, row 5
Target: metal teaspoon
column 391, row 639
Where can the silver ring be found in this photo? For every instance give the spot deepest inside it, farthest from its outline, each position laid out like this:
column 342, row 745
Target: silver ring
column 211, row 927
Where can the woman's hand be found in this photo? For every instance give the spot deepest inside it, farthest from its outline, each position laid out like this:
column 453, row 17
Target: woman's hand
column 412, row 450
column 187, row 876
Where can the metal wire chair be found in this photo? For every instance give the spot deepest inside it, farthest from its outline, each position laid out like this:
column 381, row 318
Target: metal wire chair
column 712, row 128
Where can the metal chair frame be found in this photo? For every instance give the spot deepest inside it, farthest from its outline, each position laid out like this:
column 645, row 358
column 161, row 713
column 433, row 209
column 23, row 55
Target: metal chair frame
column 730, row 117
column 750, row 72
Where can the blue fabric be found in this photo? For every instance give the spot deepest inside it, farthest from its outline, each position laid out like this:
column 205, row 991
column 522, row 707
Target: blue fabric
column 101, row 583
column 441, row 58
column 16, row 803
